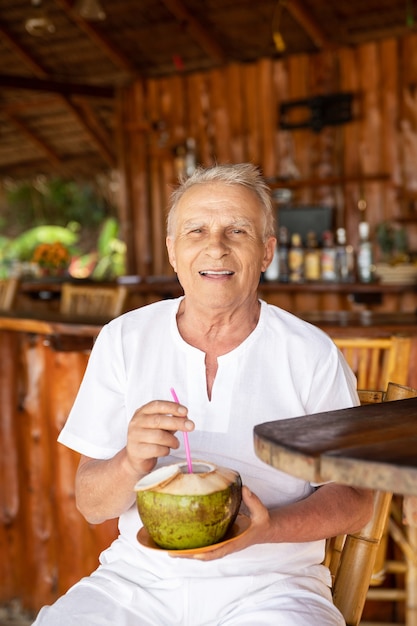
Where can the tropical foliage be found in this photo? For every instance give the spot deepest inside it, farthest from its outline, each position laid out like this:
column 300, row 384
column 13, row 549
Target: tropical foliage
column 52, row 201
column 46, row 223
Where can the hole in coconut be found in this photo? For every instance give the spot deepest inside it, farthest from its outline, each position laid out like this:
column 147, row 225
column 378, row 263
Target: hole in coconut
column 157, row 477
column 198, row 468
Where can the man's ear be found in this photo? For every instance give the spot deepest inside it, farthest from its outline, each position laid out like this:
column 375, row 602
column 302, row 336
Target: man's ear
column 171, row 252
column 269, row 252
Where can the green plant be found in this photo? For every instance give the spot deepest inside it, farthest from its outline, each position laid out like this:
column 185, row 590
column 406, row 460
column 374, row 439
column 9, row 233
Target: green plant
column 53, row 201
column 77, row 215
column 111, row 252
column 21, row 248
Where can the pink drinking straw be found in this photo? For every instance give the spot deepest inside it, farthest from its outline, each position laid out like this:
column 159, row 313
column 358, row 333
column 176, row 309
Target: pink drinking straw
column 186, row 444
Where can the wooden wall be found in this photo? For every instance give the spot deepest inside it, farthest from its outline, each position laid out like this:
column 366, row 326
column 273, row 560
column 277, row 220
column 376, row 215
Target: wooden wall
column 233, row 114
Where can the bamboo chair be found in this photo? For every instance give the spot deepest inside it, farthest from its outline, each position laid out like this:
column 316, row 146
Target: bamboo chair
column 377, row 361
column 405, row 538
column 93, row 301
column 352, row 559
column 8, row 293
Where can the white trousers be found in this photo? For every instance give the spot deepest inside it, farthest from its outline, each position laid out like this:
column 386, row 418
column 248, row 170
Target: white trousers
column 237, row 601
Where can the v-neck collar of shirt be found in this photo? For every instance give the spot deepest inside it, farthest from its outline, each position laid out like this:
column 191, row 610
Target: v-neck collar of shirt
column 183, row 345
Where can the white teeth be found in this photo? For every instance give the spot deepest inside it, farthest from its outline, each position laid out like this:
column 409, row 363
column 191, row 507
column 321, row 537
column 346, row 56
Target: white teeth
column 213, row 273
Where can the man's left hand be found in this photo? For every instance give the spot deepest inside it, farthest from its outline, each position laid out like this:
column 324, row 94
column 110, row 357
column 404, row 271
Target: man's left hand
column 258, row 531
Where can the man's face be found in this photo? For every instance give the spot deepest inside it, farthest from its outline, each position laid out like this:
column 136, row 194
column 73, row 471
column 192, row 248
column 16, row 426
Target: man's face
column 217, row 248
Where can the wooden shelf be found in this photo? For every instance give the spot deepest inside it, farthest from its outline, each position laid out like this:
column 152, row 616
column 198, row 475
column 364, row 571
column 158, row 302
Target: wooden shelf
column 335, row 287
column 330, row 181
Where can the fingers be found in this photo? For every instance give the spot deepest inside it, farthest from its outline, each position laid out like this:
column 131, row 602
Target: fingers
column 252, row 502
column 164, row 415
column 151, row 433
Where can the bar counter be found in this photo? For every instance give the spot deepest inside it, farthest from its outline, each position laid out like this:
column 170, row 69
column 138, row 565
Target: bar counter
column 63, row 331
column 311, row 296
column 363, row 323
column 334, row 296
column 45, row 544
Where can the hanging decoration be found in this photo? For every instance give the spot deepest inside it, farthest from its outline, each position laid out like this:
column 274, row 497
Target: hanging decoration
column 317, row 112
column 90, row 10
column 276, row 26
column 39, row 23
column 178, row 62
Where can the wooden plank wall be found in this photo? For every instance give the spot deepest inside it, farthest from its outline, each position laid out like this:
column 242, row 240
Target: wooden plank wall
column 232, row 113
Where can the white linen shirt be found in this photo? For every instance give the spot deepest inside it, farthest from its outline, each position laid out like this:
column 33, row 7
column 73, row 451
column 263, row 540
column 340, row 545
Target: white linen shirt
column 284, row 368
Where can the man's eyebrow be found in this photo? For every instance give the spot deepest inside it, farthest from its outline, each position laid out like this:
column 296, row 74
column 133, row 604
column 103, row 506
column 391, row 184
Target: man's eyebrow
column 241, row 221
column 192, row 224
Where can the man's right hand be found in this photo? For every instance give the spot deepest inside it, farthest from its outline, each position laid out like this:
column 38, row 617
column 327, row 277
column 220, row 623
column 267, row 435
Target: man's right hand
column 105, row 487
column 151, row 433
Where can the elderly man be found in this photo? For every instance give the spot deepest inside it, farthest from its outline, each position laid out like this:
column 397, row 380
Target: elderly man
column 234, row 361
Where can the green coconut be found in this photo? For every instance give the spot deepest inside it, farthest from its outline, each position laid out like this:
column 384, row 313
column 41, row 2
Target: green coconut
column 182, row 510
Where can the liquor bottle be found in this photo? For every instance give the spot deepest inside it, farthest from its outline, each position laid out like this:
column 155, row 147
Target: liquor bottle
column 185, row 158
column 328, row 257
column 190, row 158
column 365, row 266
column 345, row 258
column 296, row 259
column 283, row 245
column 312, row 266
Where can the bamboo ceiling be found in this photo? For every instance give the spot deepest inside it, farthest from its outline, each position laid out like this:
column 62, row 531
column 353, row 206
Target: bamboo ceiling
column 58, row 90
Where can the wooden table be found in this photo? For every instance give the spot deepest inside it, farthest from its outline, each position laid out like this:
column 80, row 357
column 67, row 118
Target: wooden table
column 373, row 446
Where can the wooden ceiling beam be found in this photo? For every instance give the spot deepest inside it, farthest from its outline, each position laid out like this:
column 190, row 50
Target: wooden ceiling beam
column 98, row 38
column 46, row 150
column 22, row 53
column 196, row 29
column 309, row 23
column 54, row 86
column 90, row 126
column 37, row 104
column 94, row 121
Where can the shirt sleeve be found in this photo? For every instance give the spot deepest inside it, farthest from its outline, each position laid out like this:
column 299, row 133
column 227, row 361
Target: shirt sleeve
column 97, row 423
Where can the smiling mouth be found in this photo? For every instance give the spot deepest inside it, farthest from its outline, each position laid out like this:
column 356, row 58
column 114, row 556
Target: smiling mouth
column 216, row 273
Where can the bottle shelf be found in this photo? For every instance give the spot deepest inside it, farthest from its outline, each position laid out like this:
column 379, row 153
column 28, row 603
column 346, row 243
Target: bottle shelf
column 330, row 181
column 337, row 287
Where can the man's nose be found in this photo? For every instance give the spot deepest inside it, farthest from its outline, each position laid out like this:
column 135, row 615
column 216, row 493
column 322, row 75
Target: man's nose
column 217, row 245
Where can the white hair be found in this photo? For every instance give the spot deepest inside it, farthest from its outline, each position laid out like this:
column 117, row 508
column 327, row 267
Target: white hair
column 244, row 174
